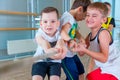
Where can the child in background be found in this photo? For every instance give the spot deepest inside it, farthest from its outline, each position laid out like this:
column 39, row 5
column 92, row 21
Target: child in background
column 49, row 41
column 101, row 48
column 72, row 65
column 110, row 23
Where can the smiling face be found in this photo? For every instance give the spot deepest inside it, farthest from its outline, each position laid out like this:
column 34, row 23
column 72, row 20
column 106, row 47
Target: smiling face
column 94, row 18
column 96, row 15
column 49, row 23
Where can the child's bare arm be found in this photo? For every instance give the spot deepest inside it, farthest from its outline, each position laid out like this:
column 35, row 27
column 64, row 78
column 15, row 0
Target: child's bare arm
column 110, row 27
column 60, row 47
column 62, row 50
column 64, row 32
column 42, row 42
column 45, row 45
column 87, row 41
column 104, row 41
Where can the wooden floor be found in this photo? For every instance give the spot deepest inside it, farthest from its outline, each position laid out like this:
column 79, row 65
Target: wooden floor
column 22, row 70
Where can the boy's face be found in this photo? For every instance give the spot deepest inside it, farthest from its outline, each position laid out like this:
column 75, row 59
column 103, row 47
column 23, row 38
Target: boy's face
column 49, row 23
column 94, row 18
column 80, row 15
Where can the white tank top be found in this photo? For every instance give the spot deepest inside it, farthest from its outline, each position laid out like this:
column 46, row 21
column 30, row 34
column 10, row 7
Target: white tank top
column 112, row 66
column 39, row 50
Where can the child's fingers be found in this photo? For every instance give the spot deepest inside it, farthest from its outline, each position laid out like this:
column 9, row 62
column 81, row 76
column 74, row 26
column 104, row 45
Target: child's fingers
column 73, row 44
column 59, row 50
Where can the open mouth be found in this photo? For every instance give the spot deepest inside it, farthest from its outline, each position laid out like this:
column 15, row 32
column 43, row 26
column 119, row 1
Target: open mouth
column 49, row 29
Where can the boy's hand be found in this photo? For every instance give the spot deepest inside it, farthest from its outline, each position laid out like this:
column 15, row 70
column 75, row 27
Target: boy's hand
column 71, row 44
column 61, row 53
column 81, row 41
column 110, row 27
column 79, row 48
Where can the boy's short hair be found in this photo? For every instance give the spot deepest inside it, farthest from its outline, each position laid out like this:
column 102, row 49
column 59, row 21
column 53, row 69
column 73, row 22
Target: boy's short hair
column 107, row 3
column 50, row 9
column 83, row 3
column 99, row 6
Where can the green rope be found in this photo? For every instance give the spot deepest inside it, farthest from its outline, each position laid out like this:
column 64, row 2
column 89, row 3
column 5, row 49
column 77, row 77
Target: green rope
column 67, row 70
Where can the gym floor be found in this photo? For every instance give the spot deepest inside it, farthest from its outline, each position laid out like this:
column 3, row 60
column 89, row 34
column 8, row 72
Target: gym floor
column 22, row 70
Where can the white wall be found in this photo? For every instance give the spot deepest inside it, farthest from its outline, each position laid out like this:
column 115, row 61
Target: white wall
column 84, row 30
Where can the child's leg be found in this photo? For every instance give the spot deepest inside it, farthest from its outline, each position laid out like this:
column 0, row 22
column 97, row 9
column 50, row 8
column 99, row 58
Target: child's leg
column 82, row 77
column 54, row 71
column 37, row 77
column 39, row 71
column 54, row 78
column 80, row 67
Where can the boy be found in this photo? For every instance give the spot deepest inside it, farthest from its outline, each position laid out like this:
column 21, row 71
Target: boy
column 49, row 41
column 102, row 51
column 110, row 23
column 72, row 65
